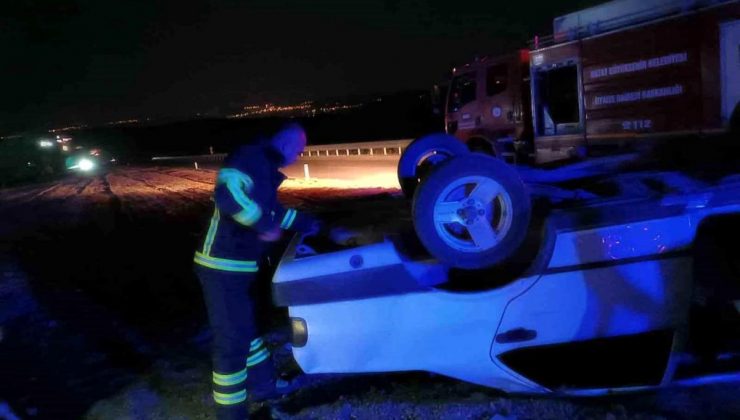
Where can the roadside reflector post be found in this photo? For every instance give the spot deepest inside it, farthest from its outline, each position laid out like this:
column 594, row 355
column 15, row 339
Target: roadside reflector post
column 210, row 149
column 385, row 150
column 196, row 166
column 371, row 151
column 399, row 150
column 306, row 174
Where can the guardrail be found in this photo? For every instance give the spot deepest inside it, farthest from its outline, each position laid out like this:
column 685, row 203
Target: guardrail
column 216, row 157
column 364, row 149
column 372, row 148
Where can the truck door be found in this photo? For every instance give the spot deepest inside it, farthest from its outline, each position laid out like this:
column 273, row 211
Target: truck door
column 498, row 112
column 730, row 59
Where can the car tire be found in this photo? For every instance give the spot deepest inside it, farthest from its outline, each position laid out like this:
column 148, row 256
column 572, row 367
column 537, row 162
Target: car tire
column 472, row 212
column 422, row 155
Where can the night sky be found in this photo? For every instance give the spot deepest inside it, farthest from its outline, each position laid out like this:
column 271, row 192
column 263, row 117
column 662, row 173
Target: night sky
column 68, row 61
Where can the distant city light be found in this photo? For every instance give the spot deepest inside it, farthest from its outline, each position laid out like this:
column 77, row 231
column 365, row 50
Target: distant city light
column 69, row 128
column 123, row 122
column 307, row 108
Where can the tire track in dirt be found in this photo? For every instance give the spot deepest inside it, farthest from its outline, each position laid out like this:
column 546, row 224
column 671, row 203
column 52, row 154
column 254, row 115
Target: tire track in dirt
column 155, row 187
column 85, row 185
column 149, row 178
column 37, row 203
column 55, row 209
column 140, row 198
column 197, row 197
column 41, row 193
column 21, row 193
column 126, row 194
column 103, row 205
column 94, row 187
column 66, row 203
column 62, row 190
column 178, row 173
column 71, row 188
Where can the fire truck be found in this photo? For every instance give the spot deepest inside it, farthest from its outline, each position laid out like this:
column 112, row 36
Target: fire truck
column 621, row 72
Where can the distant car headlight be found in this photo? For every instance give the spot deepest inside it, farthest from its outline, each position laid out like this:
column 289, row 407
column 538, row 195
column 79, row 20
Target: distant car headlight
column 85, row 164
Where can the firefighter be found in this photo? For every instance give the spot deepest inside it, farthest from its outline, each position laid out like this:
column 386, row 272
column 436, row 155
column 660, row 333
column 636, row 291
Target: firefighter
column 247, row 216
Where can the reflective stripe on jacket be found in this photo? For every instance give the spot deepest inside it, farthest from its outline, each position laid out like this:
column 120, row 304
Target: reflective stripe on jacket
column 246, row 204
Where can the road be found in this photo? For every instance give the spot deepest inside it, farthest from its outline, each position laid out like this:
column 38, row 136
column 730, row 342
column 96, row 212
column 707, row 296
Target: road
column 101, row 316
column 337, row 171
column 359, row 171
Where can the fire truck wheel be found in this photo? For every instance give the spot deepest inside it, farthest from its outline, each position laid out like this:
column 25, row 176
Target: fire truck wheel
column 472, row 212
column 422, row 155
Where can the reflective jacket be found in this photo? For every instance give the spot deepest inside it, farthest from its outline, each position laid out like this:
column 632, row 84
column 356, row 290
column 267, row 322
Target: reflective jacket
column 246, row 205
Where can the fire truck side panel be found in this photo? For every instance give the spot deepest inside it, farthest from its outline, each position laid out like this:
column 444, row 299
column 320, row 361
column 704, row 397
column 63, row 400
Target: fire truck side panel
column 661, row 78
column 643, row 81
column 647, row 81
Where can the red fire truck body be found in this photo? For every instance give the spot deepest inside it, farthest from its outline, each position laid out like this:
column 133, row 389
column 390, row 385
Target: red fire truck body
column 611, row 75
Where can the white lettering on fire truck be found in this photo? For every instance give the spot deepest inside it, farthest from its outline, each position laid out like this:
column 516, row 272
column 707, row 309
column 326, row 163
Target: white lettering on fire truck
column 632, row 125
column 640, row 65
column 638, row 95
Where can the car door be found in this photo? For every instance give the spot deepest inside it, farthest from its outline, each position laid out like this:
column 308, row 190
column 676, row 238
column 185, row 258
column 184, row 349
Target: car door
column 605, row 312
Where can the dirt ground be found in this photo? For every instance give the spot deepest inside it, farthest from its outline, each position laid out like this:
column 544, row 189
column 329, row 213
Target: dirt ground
column 102, row 318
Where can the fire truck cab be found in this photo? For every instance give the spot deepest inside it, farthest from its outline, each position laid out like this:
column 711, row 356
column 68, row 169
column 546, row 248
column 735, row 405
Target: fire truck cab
column 488, row 105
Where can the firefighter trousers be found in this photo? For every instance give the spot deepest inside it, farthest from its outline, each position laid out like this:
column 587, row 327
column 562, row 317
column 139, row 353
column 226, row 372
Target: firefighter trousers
column 241, row 361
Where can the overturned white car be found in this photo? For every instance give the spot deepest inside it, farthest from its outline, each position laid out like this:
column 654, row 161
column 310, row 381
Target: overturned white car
column 592, row 295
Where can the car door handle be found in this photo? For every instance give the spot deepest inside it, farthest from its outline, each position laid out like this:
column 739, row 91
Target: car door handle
column 517, row 335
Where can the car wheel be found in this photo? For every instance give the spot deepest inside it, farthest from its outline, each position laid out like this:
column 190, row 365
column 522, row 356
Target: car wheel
column 422, row 155
column 472, row 212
